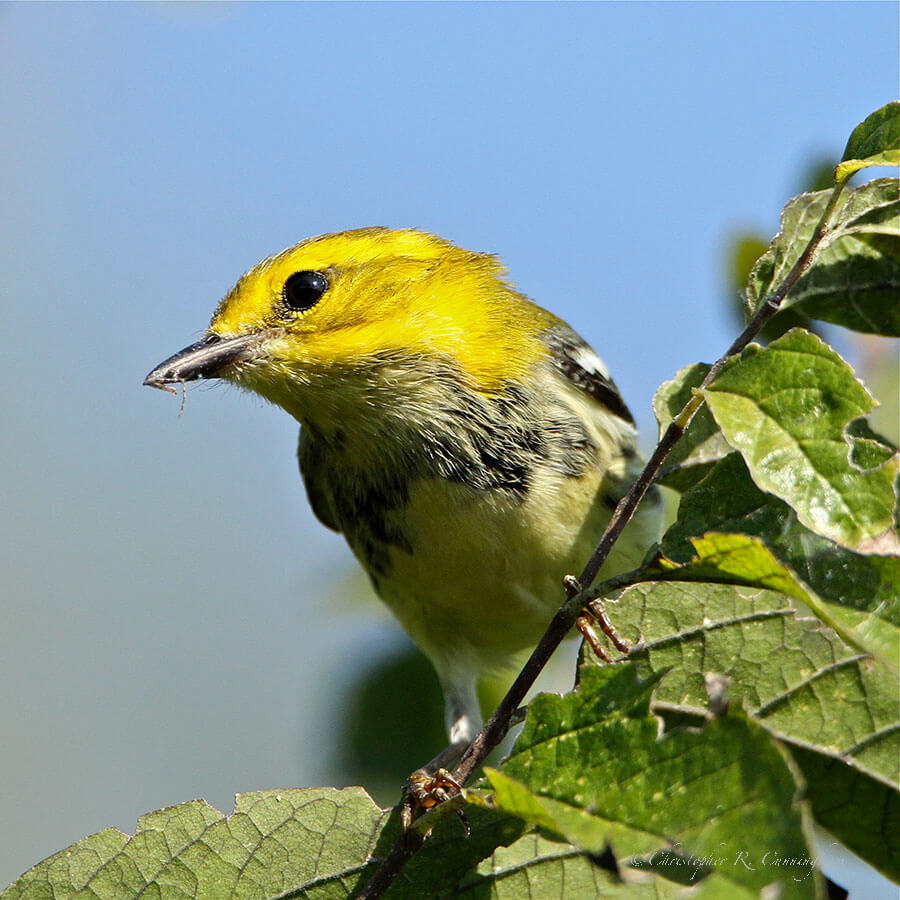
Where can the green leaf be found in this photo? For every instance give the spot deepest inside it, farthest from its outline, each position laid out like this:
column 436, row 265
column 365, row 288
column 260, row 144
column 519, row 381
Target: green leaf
column 744, row 560
column 871, row 627
column 868, row 449
column 312, row 843
column 874, row 142
column 855, row 276
column 537, row 867
column 837, row 582
column 702, row 445
column 731, row 559
column 591, row 767
column 786, row 409
column 317, row 841
column 792, row 675
column 450, row 855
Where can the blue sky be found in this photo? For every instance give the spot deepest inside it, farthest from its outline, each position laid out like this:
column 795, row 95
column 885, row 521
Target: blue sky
column 172, row 611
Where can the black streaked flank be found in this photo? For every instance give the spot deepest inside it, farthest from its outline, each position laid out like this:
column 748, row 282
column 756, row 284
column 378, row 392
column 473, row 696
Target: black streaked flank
column 352, row 500
column 489, row 443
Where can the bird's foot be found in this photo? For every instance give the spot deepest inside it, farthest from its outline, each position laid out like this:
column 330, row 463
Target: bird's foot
column 424, row 791
column 594, row 613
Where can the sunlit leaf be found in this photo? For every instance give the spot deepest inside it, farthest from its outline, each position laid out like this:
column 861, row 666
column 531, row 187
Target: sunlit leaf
column 874, row 142
column 591, row 767
column 786, row 409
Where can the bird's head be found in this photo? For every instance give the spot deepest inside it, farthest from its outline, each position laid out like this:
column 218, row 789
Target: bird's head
column 331, row 310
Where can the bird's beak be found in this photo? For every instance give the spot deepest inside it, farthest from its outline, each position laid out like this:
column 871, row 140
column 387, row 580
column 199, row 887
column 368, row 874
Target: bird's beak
column 205, row 359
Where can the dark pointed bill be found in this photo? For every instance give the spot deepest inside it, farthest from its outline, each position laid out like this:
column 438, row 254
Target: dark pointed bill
column 205, row 359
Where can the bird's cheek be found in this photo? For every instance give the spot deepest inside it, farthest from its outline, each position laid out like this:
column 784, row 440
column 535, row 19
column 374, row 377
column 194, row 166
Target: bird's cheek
column 275, row 373
column 286, row 357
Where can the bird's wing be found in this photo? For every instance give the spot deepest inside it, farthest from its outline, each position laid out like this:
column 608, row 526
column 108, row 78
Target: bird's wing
column 575, row 358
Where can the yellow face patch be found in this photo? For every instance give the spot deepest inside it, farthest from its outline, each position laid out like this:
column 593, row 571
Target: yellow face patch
column 390, row 293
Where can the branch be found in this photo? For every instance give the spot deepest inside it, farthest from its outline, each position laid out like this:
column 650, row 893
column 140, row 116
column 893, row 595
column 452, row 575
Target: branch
column 496, row 728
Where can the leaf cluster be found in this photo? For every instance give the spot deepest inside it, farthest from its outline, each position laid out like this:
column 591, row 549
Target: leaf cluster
column 762, row 694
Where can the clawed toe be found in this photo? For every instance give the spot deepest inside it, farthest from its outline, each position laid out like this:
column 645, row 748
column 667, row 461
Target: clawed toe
column 424, row 791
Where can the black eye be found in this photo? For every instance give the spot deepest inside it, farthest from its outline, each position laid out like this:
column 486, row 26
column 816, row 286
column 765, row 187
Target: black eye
column 304, row 289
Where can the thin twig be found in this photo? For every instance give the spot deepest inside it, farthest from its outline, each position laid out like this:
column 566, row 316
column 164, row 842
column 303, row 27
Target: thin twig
column 496, row 728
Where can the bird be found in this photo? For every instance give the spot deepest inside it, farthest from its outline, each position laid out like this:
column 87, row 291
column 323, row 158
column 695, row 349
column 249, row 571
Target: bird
column 468, row 444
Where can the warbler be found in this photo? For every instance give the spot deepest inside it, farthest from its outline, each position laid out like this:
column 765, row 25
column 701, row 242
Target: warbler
column 468, row 444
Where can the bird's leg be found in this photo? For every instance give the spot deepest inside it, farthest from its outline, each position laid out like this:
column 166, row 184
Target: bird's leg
column 432, row 783
column 593, row 613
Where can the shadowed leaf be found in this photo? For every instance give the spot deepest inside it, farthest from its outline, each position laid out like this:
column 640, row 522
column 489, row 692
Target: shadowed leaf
column 703, row 444
column 854, row 280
